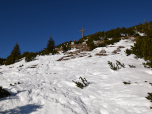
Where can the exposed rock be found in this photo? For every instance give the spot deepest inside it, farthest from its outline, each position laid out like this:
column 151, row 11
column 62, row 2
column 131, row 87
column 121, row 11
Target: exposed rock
column 102, row 51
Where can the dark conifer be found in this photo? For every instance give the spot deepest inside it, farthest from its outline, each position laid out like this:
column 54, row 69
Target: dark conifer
column 16, row 51
column 50, row 45
column 12, row 58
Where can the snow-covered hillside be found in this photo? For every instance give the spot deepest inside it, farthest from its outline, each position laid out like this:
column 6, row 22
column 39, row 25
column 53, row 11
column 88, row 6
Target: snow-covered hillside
column 47, row 88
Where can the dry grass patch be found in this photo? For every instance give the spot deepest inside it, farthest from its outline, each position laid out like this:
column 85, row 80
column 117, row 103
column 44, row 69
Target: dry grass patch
column 101, row 54
column 134, row 40
column 90, row 56
column 102, row 51
column 60, row 59
column 121, row 47
column 73, row 57
column 66, row 59
column 33, row 66
column 115, row 51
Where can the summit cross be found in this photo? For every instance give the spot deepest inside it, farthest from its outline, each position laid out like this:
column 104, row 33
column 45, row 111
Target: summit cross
column 82, row 31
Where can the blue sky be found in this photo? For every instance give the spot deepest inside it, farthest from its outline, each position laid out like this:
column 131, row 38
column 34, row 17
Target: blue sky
column 31, row 22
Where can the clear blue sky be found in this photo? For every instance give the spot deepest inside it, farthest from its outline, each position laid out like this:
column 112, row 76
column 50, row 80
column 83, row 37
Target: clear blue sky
column 31, row 22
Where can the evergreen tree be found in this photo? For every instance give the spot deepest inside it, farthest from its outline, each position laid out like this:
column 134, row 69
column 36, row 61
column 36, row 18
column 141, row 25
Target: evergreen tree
column 2, row 61
column 12, row 58
column 16, row 51
column 64, row 48
column 50, row 45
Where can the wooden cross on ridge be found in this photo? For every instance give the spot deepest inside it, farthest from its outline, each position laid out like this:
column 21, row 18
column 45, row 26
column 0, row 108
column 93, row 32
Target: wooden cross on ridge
column 82, row 31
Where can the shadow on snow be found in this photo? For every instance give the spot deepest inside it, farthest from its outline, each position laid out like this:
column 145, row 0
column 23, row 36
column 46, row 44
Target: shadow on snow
column 27, row 109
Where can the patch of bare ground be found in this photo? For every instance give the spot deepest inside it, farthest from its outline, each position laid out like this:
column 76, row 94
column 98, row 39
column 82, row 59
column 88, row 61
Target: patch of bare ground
column 60, row 59
column 134, row 40
column 121, row 47
column 101, row 54
column 73, row 55
column 33, row 66
column 66, row 59
column 116, row 51
column 90, row 56
column 81, row 47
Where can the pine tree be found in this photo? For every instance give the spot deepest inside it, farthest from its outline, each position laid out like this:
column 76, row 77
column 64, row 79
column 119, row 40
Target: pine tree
column 50, row 45
column 64, row 48
column 16, row 51
column 14, row 55
column 2, row 61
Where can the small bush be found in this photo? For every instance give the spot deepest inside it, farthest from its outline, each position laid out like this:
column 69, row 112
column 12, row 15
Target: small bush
column 21, row 65
column 116, row 67
column 149, row 97
column 126, row 38
column 54, row 52
column 131, row 66
column 102, row 45
column 81, row 85
column 136, row 57
column 112, row 66
column 150, row 84
column 89, row 56
column 146, row 65
column 122, row 65
column 127, row 82
column 15, row 84
column 4, row 93
column 135, row 35
column 30, row 57
column 128, row 52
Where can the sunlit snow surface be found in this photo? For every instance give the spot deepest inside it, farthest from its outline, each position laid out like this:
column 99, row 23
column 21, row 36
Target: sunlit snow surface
column 48, row 88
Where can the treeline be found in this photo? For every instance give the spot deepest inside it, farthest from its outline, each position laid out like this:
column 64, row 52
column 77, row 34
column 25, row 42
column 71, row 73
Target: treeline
column 143, row 49
column 65, row 46
column 16, row 55
column 143, row 46
column 115, row 34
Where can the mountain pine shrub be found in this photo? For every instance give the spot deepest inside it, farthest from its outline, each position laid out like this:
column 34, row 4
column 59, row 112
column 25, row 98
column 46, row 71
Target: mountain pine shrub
column 122, row 65
column 117, row 66
column 81, row 84
column 128, row 52
column 127, row 82
column 131, row 66
column 142, row 49
column 4, row 93
column 149, row 97
column 30, row 57
column 113, row 66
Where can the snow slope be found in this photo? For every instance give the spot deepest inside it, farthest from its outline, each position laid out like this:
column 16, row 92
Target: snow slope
column 48, row 88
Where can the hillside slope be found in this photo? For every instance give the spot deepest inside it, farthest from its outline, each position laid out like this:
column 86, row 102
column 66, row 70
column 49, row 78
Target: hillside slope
column 46, row 85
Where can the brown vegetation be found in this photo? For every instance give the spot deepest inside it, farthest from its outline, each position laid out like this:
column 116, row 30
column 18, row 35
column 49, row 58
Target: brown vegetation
column 33, row 66
column 100, row 54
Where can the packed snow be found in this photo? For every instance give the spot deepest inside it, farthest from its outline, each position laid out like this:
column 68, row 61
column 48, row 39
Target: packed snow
column 47, row 88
